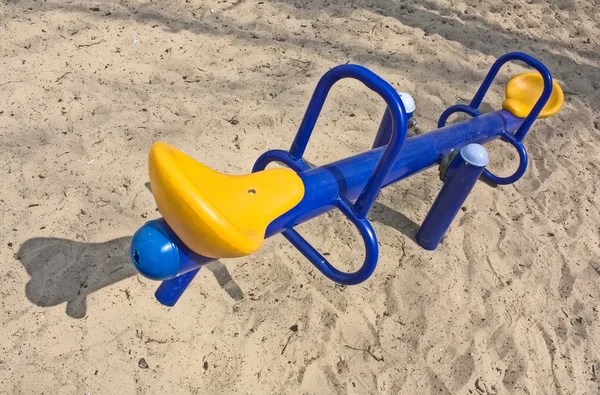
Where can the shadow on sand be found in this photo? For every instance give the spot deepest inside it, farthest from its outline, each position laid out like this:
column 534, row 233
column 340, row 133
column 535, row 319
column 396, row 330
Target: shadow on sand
column 63, row 270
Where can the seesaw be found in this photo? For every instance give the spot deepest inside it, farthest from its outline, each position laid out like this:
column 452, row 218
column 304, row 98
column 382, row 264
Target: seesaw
column 207, row 215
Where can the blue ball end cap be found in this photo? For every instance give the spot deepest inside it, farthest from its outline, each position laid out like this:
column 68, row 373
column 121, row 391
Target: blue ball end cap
column 154, row 252
column 475, row 155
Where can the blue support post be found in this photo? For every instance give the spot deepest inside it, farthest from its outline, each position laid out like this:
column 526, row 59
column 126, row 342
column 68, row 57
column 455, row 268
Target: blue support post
column 459, row 179
column 169, row 292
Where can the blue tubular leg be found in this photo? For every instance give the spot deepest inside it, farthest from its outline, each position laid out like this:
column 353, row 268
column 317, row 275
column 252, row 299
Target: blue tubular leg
column 169, row 292
column 399, row 123
column 460, row 178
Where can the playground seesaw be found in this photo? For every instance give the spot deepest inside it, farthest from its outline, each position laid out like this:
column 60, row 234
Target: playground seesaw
column 207, row 215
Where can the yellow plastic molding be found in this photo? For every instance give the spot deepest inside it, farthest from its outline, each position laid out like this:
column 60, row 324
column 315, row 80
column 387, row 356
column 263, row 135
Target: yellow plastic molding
column 524, row 90
column 214, row 214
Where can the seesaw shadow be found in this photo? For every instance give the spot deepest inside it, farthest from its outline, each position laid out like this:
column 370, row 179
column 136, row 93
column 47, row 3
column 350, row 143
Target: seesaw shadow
column 225, row 280
column 65, row 270
column 392, row 218
column 379, row 211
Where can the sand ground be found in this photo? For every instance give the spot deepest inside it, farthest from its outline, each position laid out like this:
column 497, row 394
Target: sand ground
column 508, row 304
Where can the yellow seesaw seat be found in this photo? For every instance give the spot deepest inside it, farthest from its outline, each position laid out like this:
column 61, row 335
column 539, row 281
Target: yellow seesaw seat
column 524, row 90
column 214, row 214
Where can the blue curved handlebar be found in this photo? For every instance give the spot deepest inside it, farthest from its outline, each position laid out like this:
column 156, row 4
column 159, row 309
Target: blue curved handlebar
column 280, row 156
column 399, row 127
column 356, row 213
column 539, row 105
column 523, row 160
column 515, row 139
column 321, row 263
column 454, row 109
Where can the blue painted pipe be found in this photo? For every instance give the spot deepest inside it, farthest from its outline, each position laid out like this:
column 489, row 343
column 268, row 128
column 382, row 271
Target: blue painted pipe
column 459, row 179
column 169, row 291
column 347, row 177
column 158, row 254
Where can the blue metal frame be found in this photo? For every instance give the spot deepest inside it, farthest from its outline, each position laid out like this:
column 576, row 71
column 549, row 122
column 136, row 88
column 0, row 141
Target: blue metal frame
column 358, row 178
column 169, row 291
column 346, row 177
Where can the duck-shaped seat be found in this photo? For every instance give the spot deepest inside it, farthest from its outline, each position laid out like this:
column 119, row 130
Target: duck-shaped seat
column 214, row 214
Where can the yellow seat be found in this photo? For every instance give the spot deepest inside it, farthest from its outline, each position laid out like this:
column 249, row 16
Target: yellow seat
column 524, row 90
column 214, row 214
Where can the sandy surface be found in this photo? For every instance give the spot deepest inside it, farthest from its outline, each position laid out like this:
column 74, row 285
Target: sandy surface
column 507, row 305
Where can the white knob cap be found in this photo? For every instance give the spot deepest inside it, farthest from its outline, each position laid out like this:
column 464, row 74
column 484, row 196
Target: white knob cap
column 408, row 101
column 475, row 154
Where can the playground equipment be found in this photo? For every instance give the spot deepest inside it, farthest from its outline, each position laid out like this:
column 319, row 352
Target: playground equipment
column 207, row 215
